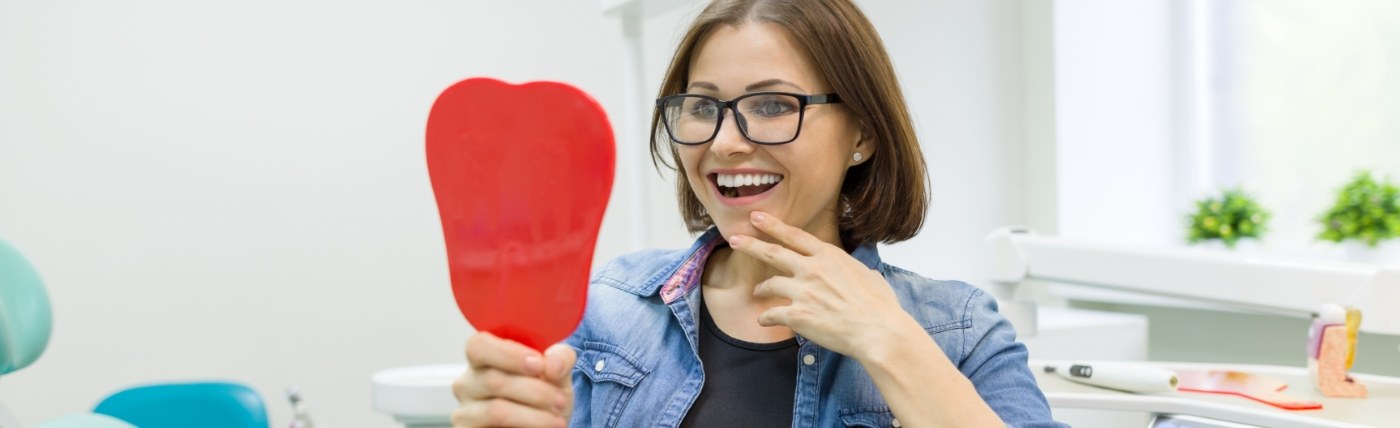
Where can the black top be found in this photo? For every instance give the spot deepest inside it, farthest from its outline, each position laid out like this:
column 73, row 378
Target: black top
column 746, row 384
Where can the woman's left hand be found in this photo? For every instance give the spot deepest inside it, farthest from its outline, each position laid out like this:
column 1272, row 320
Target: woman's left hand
column 837, row 301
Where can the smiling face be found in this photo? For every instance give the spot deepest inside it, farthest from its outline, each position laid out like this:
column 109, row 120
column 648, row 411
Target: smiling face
column 798, row 182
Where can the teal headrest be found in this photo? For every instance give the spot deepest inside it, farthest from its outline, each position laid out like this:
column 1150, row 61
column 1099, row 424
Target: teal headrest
column 25, row 320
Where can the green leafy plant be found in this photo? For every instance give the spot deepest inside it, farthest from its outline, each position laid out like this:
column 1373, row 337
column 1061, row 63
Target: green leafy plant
column 1229, row 218
column 1366, row 210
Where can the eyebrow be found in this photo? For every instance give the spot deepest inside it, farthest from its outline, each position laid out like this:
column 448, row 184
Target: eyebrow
column 750, row 88
column 771, row 82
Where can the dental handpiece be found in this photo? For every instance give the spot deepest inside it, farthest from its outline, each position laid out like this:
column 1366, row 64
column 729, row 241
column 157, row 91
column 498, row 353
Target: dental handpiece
column 1130, row 377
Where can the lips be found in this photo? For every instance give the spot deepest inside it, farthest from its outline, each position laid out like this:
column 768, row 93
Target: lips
column 743, row 187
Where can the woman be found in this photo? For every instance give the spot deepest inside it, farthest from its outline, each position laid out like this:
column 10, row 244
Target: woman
column 796, row 155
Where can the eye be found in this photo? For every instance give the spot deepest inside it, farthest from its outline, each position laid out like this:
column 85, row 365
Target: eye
column 704, row 109
column 774, row 106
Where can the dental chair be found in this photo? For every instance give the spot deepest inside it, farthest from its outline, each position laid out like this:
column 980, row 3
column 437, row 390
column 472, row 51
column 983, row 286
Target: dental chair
column 178, row 405
column 25, row 324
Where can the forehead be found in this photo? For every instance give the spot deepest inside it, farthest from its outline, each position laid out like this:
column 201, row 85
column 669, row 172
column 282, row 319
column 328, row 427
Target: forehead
column 733, row 57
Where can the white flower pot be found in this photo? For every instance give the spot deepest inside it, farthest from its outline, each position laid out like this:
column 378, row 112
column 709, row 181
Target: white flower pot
column 1243, row 246
column 1387, row 252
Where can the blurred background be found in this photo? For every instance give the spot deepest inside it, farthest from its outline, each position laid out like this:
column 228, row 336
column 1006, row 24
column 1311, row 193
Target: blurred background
column 237, row 190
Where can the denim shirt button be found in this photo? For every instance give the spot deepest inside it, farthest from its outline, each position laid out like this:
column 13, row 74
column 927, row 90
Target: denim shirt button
column 895, row 423
column 599, row 366
column 809, row 359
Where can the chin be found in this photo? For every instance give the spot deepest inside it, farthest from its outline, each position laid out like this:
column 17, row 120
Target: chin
column 735, row 224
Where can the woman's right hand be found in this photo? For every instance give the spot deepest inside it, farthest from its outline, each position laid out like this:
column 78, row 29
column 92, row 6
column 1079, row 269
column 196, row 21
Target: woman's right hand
column 511, row 385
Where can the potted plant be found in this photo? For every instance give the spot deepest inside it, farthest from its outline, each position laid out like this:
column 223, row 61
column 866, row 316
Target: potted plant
column 1228, row 218
column 1366, row 212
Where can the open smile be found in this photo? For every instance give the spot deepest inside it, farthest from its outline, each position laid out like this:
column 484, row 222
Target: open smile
column 744, row 189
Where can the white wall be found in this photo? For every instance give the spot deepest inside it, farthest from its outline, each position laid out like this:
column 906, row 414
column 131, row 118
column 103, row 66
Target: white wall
column 960, row 64
column 237, row 191
column 1114, row 121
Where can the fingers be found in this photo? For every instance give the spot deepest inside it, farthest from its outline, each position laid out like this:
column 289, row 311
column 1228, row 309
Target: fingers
column 503, row 413
column 776, row 316
column 775, row 255
column 509, row 384
column 793, row 245
column 485, row 350
column 791, row 236
column 559, row 364
column 489, row 384
column 778, row 286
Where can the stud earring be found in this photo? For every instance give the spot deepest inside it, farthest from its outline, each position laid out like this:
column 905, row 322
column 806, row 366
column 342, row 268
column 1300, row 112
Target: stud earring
column 857, row 157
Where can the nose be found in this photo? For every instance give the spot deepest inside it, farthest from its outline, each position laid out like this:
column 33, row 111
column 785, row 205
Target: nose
column 729, row 141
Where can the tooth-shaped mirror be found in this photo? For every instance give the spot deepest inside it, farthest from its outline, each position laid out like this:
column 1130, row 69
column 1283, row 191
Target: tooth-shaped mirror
column 522, row 175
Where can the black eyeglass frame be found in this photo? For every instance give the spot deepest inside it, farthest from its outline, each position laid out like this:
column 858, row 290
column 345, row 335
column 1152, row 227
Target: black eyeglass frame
column 803, row 101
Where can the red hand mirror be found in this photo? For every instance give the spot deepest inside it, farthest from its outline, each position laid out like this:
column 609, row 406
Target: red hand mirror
column 522, row 175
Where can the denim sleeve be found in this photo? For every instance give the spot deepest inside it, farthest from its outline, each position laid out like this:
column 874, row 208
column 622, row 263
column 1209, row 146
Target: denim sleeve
column 996, row 364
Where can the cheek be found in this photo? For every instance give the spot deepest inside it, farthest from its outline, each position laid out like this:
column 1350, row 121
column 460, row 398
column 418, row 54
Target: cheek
column 819, row 179
column 690, row 164
column 818, row 170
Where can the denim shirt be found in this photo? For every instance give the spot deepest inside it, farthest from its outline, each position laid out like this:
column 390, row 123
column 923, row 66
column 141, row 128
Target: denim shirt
column 638, row 365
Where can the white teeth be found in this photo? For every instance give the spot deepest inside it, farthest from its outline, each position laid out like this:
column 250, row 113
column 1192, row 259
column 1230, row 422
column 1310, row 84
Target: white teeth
column 737, row 180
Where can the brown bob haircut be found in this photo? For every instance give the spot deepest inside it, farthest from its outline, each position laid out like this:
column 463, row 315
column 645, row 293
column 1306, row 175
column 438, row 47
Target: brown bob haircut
column 884, row 199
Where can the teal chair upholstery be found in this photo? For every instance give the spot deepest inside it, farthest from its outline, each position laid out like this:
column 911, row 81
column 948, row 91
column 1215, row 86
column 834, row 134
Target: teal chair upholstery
column 178, row 405
column 86, row 420
column 25, row 317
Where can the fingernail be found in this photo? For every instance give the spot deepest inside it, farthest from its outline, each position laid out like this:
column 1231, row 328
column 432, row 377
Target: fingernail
column 534, row 364
column 735, row 240
column 759, row 217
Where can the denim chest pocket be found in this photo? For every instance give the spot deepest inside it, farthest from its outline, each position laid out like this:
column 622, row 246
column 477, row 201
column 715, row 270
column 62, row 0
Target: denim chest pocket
column 871, row 417
column 612, row 377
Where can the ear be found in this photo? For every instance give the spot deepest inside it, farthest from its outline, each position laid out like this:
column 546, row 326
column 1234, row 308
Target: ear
column 865, row 146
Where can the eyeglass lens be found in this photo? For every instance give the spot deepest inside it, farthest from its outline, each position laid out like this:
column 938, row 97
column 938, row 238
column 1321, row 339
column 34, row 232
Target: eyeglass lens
column 763, row 118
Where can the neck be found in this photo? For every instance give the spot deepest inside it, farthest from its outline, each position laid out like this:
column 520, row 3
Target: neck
column 732, row 270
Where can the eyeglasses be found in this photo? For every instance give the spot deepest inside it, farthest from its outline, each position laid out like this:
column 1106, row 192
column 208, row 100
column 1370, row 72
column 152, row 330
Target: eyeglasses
column 763, row 117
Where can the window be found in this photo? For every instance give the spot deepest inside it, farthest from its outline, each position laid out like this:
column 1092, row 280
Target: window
column 1289, row 98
